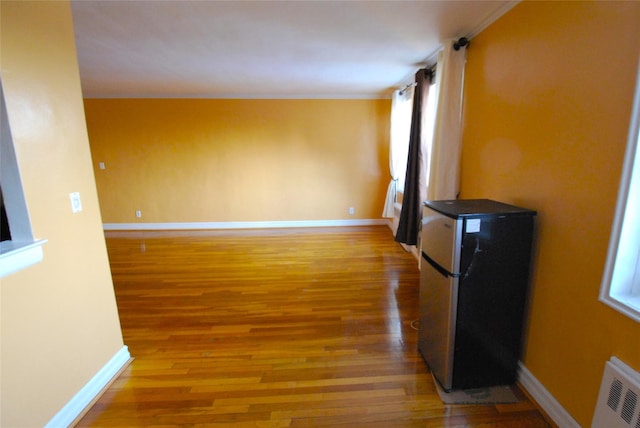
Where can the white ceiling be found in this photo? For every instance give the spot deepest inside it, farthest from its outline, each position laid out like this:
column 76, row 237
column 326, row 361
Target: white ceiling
column 264, row 49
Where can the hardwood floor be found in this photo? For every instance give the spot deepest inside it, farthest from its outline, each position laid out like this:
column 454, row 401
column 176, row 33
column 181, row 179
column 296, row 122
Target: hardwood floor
column 275, row 328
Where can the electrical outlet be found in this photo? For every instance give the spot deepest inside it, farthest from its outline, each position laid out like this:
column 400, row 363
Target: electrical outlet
column 138, row 213
column 351, row 211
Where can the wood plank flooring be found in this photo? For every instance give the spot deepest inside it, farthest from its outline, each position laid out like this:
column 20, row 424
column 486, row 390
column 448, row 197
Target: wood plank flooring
column 275, row 328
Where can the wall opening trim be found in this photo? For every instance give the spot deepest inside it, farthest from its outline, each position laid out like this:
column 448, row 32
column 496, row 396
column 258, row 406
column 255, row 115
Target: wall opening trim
column 620, row 287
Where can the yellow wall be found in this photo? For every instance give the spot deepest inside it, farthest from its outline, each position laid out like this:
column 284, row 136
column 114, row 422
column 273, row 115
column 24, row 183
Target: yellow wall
column 209, row 160
column 548, row 98
column 59, row 317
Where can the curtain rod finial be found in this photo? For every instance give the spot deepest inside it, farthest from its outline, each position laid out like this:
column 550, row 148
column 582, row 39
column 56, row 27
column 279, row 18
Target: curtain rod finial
column 462, row 41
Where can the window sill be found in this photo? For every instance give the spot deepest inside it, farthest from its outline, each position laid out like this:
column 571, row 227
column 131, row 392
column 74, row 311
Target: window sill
column 628, row 305
column 15, row 256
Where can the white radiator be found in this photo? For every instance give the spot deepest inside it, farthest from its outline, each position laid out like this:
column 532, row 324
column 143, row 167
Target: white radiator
column 618, row 402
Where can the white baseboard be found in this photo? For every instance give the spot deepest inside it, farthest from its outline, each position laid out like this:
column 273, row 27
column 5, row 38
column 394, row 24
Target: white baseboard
column 244, row 224
column 549, row 404
column 86, row 395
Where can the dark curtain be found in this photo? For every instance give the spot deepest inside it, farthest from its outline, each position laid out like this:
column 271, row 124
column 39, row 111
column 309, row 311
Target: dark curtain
column 5, row 232
column 409, row 223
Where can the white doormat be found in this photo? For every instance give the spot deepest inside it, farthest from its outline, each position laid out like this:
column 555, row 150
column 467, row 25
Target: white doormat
column 490, row 395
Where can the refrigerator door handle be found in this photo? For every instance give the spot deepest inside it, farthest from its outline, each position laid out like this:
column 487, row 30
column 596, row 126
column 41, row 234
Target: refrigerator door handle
column 442, row 271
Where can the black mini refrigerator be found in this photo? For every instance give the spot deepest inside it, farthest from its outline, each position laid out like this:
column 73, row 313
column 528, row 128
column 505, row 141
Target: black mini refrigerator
column 474, row 278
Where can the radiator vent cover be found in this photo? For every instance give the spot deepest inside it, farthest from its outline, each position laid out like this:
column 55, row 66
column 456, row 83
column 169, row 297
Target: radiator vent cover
column 618, row 404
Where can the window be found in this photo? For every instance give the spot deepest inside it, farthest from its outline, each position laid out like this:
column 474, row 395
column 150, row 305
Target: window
column 620, row 287
column 401, row 127
column 403, row 109
column 20, row 250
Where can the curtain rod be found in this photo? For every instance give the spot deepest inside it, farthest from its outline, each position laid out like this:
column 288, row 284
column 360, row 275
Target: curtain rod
column 431, row 70
column 407, row 87
column 460, row 43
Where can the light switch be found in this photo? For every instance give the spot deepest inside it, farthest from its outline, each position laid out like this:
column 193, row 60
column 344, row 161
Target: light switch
column 101, row 165
column 76, row 204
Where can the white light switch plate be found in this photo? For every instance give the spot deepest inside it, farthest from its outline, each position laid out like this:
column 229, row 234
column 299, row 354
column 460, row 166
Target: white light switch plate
column 76, row 203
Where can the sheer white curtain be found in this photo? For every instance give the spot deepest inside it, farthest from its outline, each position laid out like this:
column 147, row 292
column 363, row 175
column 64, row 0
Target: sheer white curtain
column 401, row 105
column 444, row 164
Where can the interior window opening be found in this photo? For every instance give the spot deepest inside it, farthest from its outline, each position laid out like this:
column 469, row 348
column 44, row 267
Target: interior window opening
column 18, row 248
column 620, row 287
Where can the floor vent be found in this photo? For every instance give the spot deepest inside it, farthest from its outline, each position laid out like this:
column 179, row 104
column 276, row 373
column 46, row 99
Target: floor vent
column 618, row 401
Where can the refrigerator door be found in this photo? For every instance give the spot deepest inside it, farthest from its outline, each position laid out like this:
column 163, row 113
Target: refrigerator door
column 440, row 239
column 438, row 312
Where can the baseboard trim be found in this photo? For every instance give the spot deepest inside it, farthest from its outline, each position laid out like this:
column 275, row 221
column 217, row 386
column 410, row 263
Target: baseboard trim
column 244, row 224
column 545, row 400
column 91, row 390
